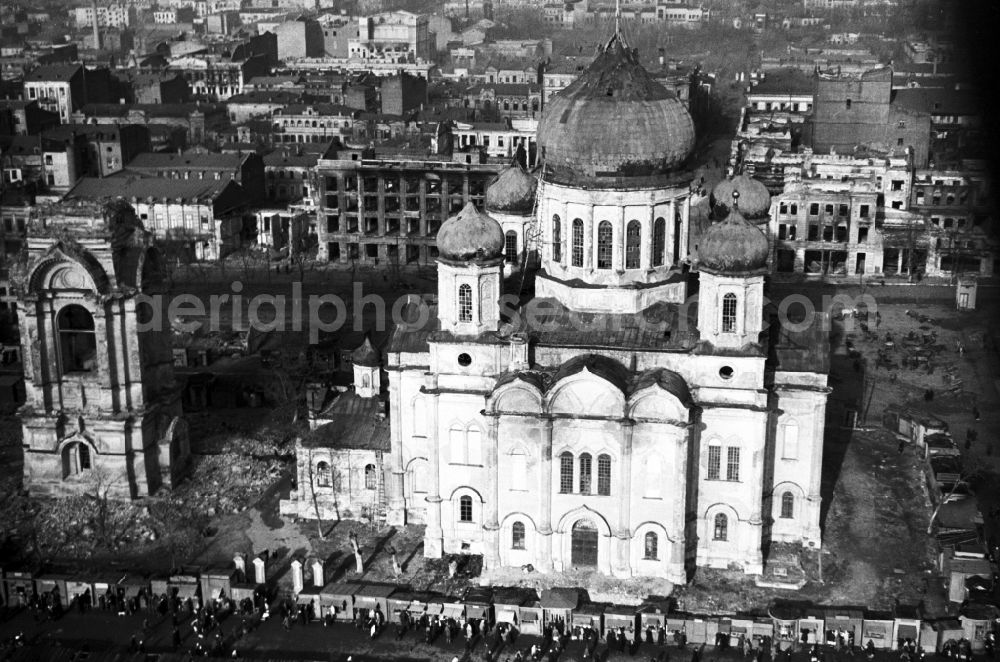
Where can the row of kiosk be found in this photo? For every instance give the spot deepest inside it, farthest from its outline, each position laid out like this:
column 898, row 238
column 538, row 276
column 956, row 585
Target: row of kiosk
column 525, row 609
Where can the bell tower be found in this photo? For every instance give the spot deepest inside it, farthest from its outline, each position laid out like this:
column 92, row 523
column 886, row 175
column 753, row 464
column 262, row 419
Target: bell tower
column 102, row 407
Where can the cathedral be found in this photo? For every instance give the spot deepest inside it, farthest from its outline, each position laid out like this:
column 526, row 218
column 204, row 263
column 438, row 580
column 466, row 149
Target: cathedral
column 613, row 419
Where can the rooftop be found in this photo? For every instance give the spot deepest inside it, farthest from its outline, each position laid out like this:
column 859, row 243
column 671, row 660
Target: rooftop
column 188, row 160
column 358, row 423
column 148, row 187
column 62, row 73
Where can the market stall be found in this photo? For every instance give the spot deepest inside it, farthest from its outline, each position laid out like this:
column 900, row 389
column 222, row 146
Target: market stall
column 623, row 619
column 785, row 617
column 337, row 599
column 453, row 609
column 978, row 621
column 843, row 625
column 877, row 629
column 557, row 607
column 507, row 602
column 372, row 598
column 762, row 630
column 80, row 588
column 478, row 602
column 51, row 588
column 740, row 630
column 217, row 582
column 811, row 626
column 19, row 586
column 587, row 617
column 697, row 630
column 399, row 604
column 906, row 627
column 531, row 617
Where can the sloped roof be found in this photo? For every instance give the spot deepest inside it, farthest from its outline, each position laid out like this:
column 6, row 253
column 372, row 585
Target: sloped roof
column 358, row 424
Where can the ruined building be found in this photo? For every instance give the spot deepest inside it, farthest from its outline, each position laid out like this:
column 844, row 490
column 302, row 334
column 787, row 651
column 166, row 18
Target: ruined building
column 103, row 413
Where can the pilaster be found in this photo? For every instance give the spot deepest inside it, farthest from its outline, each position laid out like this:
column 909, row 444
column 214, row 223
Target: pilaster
column 621, row 565
column 545, row 534
column 491, row 525
column 433, row 542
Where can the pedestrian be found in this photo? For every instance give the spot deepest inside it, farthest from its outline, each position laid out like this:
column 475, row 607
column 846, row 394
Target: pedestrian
column 902, row 445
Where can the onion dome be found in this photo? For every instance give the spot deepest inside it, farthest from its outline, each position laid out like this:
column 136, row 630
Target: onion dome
column 755, row 201
column 512, row 192
column 733, row 245
column 366, row 355
column 614, row 121
column 470, row 235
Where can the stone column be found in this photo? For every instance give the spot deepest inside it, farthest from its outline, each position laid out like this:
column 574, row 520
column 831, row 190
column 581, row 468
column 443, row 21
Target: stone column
column 544, row 558
column 397, row 500
column 668, row 236
column 491, row 524
column 646, row 245
column 685, row 226
column 621, row 565
column 433, row 543
column 618, row 238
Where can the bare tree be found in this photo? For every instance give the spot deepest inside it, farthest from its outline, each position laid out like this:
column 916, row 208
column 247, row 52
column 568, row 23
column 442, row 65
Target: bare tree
column 358, row 561
column 315, row 499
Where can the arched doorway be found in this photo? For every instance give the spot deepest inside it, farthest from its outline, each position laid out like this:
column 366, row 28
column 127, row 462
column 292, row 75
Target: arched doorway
column 584, row 544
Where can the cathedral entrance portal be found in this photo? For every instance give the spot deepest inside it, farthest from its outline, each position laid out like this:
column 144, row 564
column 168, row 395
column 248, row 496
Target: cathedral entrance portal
column 584, row 544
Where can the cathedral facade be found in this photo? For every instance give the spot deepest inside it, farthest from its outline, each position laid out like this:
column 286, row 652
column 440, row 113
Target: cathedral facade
column 613, row 420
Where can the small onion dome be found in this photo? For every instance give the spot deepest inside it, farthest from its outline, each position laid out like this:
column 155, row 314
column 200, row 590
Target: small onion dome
column 470, row 235
column 513, row 191
column 733, row 245
column 755, row 201
column 366, row 355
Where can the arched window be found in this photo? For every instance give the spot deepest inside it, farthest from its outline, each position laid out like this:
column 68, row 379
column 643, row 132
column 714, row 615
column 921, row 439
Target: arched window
column 465, row 509
column 651, row 547
column 721, row 528
column 324, row 477
column 787, row 505
column 556, row 239
column 369, row 476
column 729, row 313
column 464, row 303
column 566, row 473
column 604, row 475
column 76, row 459
column 604, row 247
column 577, row 243
column 510, row 247
column 77, row 340
column 633, row 242
column 517, row 536
column 659, row 241
column 585, row 467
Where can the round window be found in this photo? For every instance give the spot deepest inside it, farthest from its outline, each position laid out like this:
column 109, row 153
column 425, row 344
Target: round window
column 464, row 359
column 726, row 372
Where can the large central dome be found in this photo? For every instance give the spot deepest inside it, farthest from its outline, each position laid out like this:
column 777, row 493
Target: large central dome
column 613, row 122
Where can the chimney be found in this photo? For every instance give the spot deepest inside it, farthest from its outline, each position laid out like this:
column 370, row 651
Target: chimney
column 97, row 32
